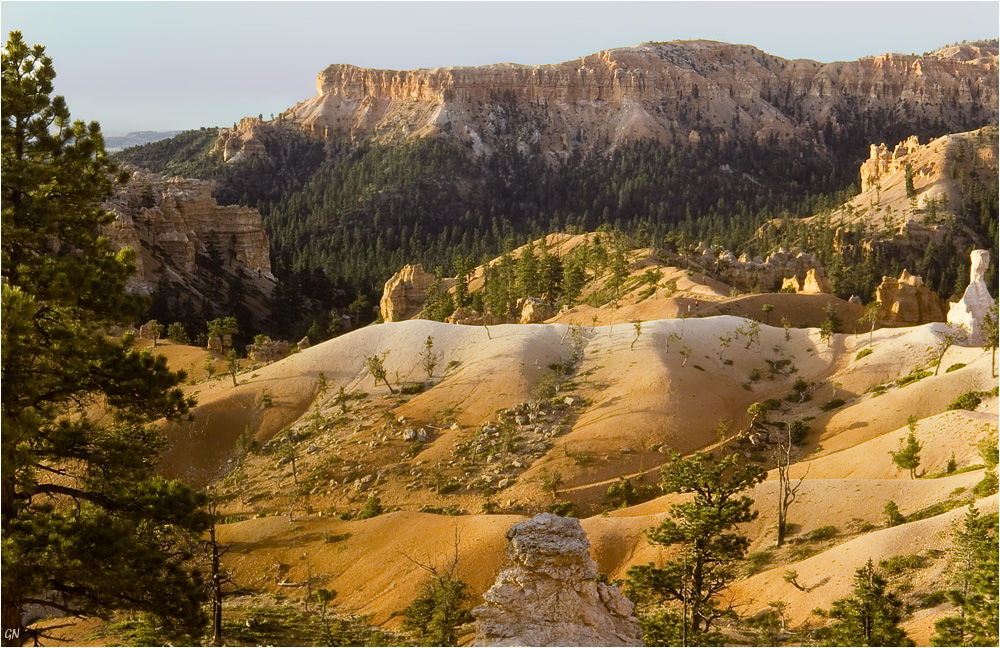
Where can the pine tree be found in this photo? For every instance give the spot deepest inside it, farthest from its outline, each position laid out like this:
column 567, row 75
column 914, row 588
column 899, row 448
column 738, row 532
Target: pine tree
column 908, row 455
column 527, row 278
column 869, row 618
column 124, row 542
column 974, row 559
column 704, row 529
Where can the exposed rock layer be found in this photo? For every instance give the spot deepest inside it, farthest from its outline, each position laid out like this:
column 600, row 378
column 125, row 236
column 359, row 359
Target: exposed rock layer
column 907, row 301
column 548, row 594
column 672, row 92
column 405, row 293
column 170, row 221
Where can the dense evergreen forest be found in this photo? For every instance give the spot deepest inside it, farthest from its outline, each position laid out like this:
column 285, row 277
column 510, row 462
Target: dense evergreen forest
column 342, row 218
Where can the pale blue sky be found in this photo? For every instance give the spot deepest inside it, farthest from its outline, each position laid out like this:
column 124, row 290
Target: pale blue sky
column 179, row 65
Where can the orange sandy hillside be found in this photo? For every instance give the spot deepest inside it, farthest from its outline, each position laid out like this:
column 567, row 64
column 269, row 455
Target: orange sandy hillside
column 609, row 401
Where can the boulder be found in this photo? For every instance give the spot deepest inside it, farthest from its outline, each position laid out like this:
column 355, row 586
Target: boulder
column 548, row 594
column 907, row 301
column 968, row 312
column 268, row 351
column 535, row 311
column 405, row 293
column 465, row 316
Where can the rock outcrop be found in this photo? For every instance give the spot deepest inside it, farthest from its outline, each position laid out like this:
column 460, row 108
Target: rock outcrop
column 268, row 350
column 907, row 301
column 969, row 312
column 535, row 311
column 780, row 269
column 548, row 594
column 881, row 162
column 814, row 283
column 244, row 142
column 169, row 222
column 405, row 293
column 672, row 92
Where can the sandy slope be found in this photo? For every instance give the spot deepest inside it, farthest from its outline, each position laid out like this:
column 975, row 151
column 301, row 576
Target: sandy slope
column 667, row 388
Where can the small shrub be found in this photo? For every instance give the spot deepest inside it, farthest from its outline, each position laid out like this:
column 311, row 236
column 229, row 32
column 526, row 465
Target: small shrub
column 412, row 388
column 822, row 533
column 878, row 390
column 800, row 552
column 757, row 561
column 931, row 599
column 863, row 353
column 562, row 509
column 898, row 564
column 912, row 377
column 832, row 404
column 799, row 432
column 988, row 485
column 372, row 508
column 954, row 367
column 969, row 400
column 330, row 538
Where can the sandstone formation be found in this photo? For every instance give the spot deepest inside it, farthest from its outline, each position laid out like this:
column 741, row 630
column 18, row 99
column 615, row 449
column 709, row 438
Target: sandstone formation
column 268, row 350
column 405, row 293
column 917, row 215
column 169, row 222
column 814, row 283
column 668, row 91
column 548, row 594
column 535, row 311
column 881, row 162
column 907, row 301
column 969, row 312
column 781, row 268
column 244, row 142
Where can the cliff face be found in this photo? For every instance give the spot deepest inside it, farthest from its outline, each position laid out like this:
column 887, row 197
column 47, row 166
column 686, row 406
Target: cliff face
column 675, row 91
column 183, row 237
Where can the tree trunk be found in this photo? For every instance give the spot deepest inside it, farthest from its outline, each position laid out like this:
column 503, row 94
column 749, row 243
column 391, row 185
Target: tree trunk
column 216, row 590
column 13, row 631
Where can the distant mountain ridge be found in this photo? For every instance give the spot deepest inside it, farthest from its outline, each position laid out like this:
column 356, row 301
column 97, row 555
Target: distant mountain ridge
column 674, row 92
column 115, row 143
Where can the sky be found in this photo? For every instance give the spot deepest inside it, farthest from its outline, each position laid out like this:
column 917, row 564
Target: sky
column 186, row 64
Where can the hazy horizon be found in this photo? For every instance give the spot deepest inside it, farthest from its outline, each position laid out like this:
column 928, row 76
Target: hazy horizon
column 161, row 66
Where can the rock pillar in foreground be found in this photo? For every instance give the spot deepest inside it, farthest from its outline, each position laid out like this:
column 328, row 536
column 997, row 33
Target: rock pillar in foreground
column 548, row 594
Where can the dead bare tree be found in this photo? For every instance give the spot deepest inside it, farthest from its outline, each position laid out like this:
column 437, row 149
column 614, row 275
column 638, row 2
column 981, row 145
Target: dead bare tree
column 782, row 452
column 219, row 577
column 440, row 608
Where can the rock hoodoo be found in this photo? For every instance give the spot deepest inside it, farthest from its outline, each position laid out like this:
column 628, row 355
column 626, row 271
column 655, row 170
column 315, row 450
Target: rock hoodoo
column 881, row 162
column 405, row 293
column 907, row 301
column 548, row 594
column 969, row 312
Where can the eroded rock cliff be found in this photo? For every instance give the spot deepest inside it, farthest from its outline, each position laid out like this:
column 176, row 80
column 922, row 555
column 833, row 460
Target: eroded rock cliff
column 673, row 92
column 188, row 243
